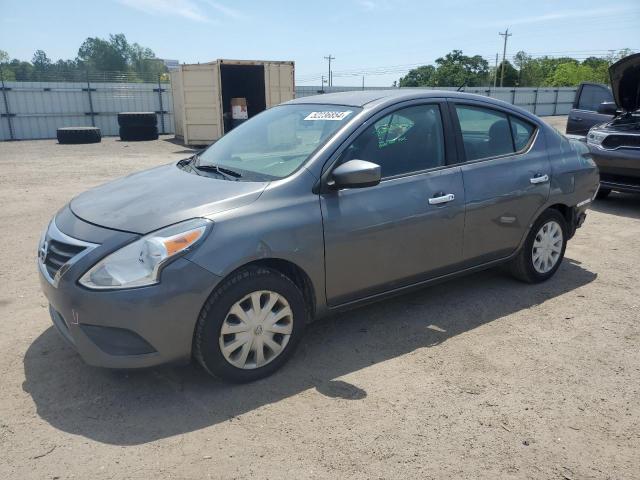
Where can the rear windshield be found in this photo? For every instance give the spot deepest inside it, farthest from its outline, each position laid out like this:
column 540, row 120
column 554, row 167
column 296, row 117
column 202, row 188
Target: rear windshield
column 275, row 143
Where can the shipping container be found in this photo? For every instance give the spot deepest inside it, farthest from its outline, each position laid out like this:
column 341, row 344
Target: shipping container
column 202, row 94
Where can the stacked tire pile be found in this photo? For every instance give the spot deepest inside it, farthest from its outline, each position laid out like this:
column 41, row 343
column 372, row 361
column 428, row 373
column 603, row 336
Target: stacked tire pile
column 138, row 126
column 76, row 135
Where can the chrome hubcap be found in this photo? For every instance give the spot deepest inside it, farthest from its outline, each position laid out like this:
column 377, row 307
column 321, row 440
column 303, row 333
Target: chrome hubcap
column 256, row 330
column 547, row 247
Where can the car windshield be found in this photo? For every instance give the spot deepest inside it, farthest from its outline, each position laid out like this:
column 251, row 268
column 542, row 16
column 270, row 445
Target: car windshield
column 275, row 143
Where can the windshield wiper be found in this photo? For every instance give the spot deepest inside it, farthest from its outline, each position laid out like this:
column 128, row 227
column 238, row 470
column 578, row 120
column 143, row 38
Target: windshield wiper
column 227, row 173
column 222, row 171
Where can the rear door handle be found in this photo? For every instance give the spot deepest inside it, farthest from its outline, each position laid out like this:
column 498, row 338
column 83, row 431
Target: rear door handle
column 539, row 179
column 449, row 197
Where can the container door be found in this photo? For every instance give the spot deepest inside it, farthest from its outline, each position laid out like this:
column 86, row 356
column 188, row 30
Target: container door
column 176, row 93
column 278, row 81
column 201, row 102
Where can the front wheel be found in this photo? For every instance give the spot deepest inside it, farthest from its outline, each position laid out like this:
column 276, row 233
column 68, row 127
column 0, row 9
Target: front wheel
column 250, row 325
column 543, row 251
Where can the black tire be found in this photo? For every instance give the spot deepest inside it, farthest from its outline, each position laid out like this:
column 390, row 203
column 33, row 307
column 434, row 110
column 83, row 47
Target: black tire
column 521, row 266
column 206, row 345
column 76, row 135
column 138, row 133
column 603, row 193
column 137, row 119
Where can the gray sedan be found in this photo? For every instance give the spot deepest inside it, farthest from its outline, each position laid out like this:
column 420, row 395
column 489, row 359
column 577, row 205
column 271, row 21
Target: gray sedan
column 313, row 206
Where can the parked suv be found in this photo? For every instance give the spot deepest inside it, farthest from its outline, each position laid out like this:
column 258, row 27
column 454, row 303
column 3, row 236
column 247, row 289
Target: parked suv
column 592, row 105
column 310, row 207
column 615, row 145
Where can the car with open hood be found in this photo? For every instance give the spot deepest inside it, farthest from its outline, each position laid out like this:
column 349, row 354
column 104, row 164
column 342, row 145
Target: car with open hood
column 615, row 144
column 310, row 207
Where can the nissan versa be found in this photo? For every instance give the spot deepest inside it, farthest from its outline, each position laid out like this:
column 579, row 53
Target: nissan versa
column 311, row 206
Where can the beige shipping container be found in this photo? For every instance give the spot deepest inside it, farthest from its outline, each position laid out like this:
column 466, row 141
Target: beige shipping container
column 202, row 94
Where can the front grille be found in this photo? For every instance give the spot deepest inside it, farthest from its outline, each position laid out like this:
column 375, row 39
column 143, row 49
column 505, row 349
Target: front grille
column 621, row 141
column 58, row 253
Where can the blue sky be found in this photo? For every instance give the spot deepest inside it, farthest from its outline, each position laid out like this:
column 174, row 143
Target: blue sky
column 381, row 38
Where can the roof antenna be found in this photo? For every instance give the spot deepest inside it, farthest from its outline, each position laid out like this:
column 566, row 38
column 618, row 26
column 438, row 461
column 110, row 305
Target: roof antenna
column 464, row 84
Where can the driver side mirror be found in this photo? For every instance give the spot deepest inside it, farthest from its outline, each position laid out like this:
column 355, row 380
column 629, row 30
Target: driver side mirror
column 355, row 174
column 608, row 108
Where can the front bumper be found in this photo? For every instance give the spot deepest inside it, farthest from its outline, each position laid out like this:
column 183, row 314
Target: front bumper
column 129, row 328
column 619, row 169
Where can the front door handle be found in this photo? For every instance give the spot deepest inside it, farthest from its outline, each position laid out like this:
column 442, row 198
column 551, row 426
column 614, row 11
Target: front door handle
column 539, row 179
column 449, row 197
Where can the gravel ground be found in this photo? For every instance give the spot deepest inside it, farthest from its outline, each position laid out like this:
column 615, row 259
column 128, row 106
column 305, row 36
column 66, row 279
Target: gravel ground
column 482, row 377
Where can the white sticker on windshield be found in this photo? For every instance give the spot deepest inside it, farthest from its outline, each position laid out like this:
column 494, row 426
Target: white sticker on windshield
column 327, row 115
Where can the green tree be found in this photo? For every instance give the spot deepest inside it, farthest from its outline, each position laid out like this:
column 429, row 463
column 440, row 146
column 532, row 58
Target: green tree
column 97, row 54
column 5, row 72
column 510, row 75
column 456, row 69
column 143, row 61
column 22, row 71
column 419, row 77
column 570, row 74
column 41, row 65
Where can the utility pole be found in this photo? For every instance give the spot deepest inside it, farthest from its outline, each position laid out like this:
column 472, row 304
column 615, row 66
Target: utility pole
column 506, row 35
column 495, row 73
column 329, row 58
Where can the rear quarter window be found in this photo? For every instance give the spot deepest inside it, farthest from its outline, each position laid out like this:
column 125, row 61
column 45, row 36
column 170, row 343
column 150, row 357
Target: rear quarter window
column 522, row 132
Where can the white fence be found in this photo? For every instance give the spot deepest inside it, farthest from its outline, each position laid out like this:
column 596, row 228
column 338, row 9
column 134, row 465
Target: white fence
column 34, row 110
column 541, row 101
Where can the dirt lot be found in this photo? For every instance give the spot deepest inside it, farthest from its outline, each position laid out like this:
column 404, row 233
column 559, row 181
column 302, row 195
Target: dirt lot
column 482, row 377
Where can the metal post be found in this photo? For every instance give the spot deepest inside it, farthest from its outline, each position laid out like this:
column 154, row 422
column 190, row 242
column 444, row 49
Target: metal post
column 161, row 107
column 555, row 102
column 513, row 96
column 91, row 112
column 535, row 101
column 6, row 106
column 506, row 36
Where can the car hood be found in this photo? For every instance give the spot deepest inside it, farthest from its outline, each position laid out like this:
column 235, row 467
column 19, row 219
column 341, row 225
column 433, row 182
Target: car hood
column 161, row 196
column 625, row 82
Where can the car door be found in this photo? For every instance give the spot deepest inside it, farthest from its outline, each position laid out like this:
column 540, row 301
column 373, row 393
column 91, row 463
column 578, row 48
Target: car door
column 584, row 113
column 407, row 228
column 506, row 175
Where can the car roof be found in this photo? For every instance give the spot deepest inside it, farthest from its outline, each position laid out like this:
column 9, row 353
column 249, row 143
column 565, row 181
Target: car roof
column 382, row 98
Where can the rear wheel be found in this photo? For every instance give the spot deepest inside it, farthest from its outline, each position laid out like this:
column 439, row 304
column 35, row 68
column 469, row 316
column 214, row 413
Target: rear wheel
column 603, row 193
column 250, row 325
column 543, row 251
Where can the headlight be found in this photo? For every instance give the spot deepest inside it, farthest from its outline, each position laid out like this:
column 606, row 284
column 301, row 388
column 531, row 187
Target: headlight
column 596, row 138
column 139, row 263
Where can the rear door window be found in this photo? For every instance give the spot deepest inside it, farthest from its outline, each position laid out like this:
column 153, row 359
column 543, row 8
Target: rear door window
column 592, row 96
column 485, row 132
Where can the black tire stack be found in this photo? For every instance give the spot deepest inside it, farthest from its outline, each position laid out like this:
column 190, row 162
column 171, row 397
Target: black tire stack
column 76, row 135
column 138, row 126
